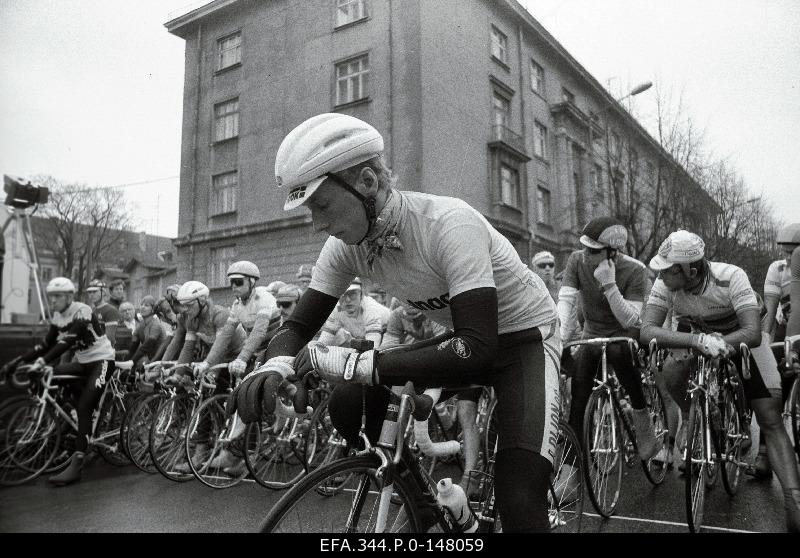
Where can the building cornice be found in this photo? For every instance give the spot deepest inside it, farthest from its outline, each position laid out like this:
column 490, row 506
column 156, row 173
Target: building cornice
column 175, row 25
column 245, row 230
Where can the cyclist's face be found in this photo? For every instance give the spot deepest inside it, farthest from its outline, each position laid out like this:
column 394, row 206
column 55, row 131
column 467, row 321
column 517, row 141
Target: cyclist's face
column 59, row 301
column 351, row 301
column 287, row 307
column 118, row 292
column 593, row 256
column 337, row 212
column 545, row 270
column 304, row 282
column 189, row 309
column 145, row 310
column 240, row 286
column 673, row 277
column 95, row 296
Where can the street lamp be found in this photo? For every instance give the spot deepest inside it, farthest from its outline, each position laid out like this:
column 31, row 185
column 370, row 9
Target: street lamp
column 641, row 88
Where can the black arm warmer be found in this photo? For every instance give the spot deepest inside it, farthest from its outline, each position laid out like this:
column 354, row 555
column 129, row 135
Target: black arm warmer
column 454, row 363
column 38, row 350
column 312, row 310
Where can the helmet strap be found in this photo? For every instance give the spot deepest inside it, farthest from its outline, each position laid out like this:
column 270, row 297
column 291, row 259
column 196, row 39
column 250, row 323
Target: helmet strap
column 367, row 203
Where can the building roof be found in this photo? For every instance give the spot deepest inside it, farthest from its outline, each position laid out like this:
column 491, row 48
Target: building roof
column 179, row 20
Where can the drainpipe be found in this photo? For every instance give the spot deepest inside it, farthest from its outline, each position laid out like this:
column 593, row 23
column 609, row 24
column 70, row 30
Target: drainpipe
column 194, row 147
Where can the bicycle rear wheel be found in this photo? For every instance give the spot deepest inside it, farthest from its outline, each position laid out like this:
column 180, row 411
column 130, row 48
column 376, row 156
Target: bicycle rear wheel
column 351, row 508
column 31, row 439
column 276, row 451
column 794, row 410
column 696, row 465
column 129, row 401
column 655, row 470
column 166, row 438
column 566, row 484
column 603, row 459
column 137, row 431
column 730, row 440
column 490, row 431
column 107, row 435
column 209, row 439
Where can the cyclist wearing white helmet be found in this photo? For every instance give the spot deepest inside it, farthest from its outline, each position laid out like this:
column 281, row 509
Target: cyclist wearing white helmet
column 109, row 314
column 75, row 326
column 612, row 287
column 715, row 310
column 441, row 256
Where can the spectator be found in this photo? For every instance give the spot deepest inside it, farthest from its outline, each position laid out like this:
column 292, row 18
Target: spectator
column 117, row 290
column 378, row 294
column 148, row 335
column 304, row 277
column 129, row 318
column 108, row 315
column 544, row 265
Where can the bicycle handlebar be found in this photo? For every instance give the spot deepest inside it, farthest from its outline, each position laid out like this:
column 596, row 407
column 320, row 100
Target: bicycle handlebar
column 433, row 449
column 603, row 341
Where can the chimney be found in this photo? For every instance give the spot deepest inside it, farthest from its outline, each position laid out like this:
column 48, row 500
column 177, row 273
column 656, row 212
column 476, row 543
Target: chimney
column 143, row 241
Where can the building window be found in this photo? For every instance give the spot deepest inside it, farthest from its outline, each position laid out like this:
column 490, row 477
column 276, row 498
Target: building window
column 597, row 183
column 567, row 96
column 47, row 273
column 230, row 50
column 348, row 11
column 543, row 206
column 633, row 157
column 509, row 185
column 651, row 174
column 223, row 193
column 499, row 45
column 537, row 78
column 615, row 144
column 352, row 79
column 540, row 140
column 221, row 259
column 226, row 120
column 501, row 107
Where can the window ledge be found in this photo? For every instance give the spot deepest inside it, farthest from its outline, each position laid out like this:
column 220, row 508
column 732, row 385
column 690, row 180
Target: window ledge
column 361, row 101
column 508, row 206
column 351, row 23
column 541, row 159
column 538, row 94
column 223, row 214
column 223, row 141
column 228, row 68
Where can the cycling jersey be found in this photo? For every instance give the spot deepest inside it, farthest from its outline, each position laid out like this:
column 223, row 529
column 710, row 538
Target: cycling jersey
column 147, row 337
column 374, row 306
column 78, row 328
column 203, row 328
column 778, row 283
column 600, row 321
column 259, row 317
column 165, row 312
column 437, row 264
column 713, row 305
column 368, row 319
column 402, row 329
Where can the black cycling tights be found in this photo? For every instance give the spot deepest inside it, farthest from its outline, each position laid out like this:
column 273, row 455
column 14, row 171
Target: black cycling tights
column 586, row 368
column 95, row 374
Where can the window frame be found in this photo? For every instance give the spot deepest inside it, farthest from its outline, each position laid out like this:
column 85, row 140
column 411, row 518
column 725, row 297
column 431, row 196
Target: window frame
column 541, row 188
column 220, row 67
column 218, row 119
column 502, row 44
column 216, row 208
column 517, row 187
column 567, row 96
column 365, row 13
column 540, row 141
column 218, row 265
column 537, row 77
column 498, row 94
column 363, row 81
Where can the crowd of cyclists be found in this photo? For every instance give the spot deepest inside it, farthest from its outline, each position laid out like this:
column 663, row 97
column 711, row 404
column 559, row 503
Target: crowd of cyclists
column 453, row 293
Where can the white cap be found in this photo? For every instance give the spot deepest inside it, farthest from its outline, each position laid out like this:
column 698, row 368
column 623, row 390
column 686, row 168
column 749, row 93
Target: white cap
column 678, row 248
column 542, row 256
column 355, row 284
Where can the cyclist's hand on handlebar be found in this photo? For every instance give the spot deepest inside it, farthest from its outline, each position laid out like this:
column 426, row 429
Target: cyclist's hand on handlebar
column 337, row 364
column 37, row 365
column 237, row 367
column 711, row 345
column 200, row 368
column 255, row 396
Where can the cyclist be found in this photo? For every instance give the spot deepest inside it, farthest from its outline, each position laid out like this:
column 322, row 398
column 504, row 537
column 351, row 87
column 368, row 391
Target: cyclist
column 378, row 294
column 356, row 317
column 148, row 335
column 716, row 301
column 777, row 308
column 441, row 256
column 275, row 286
column 611, row 287
column 116, row 293
column 166, row 306
column 75, row 326
column 409, row 325
column 287, row 298
column 109, row 314
column 304, row 277
column 544, row 265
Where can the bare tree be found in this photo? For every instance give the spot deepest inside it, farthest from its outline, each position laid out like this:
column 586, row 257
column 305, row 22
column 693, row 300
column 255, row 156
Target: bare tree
column 83, row 226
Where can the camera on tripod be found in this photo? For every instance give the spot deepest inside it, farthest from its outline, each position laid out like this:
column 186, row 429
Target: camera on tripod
column 21, row 193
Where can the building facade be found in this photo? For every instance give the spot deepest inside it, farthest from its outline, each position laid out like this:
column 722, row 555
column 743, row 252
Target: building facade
column 475, row 99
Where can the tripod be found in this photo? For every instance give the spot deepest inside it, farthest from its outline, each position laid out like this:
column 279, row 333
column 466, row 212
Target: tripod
column 22, row 220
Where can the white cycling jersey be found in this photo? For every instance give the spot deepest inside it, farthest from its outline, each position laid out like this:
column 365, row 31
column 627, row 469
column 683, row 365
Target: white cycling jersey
column 439, row 244
column 369, row 319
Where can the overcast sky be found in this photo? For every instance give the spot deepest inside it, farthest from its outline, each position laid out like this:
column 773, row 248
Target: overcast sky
column 91, row 90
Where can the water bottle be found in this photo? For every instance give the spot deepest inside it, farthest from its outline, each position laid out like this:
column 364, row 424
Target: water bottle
column 453, row 498
column 444, row 415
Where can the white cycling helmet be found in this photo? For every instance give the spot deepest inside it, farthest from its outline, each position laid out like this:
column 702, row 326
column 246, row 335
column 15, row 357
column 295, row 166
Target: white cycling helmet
column 789, row 234
column 244, row 269
column 323, row 144
column 60, row 285
column 191, row 290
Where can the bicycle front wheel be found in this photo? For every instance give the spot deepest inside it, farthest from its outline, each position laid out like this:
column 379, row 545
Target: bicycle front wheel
column 731, row 436
column 166, row 438
column 353, row 507
column 217, row 458
column 566, row 484
column 656, row 470
column 32, row 437
column 107, row 438
column 602, row 440
column 137, row 431
column 697, row 465
column 794, row 409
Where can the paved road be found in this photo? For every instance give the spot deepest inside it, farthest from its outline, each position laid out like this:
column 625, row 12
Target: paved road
column 111, row 499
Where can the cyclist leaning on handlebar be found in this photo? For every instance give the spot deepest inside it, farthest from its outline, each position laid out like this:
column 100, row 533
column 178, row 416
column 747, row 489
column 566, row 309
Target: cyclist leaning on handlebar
column 437, row 254
column 717, row 301
column 75, row 326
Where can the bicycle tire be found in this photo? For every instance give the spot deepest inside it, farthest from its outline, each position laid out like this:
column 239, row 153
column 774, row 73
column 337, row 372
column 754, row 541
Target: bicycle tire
column 794, row 410
column 130, row 399
column 730, row 440
column 303, row 509
column 109, row 427
column 603, row 452
column 166, row 436
column 207, row 425
column 656, row 471
column 31, row 439
column 696, row 465
column 275, row 451
column 330, row 445
column 137, row 432
column 490, row 433
column 566, row 483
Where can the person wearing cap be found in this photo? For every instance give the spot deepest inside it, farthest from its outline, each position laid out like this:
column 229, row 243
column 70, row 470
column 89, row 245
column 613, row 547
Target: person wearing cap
column 275, row 286
column 165, row 307
column 378, row 294
column 148, row 334
column 356, row 317
column 716, row 309
column 611, row 287
column 544, row 265
column 304, row 277
column 287, row 298
column 437, row 254
column 109, row 315
column 74, row 326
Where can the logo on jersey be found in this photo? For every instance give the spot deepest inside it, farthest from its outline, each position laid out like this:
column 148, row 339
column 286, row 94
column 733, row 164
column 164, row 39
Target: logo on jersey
column 101, row 380
column 460, row 348
column 437, row 303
